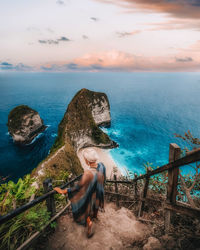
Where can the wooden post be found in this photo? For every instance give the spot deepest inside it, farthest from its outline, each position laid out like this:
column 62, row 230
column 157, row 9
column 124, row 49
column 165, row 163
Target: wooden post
column 174, row 154
column 116, row 191
column 136, row 189
column 50, row 202
column 143, row 196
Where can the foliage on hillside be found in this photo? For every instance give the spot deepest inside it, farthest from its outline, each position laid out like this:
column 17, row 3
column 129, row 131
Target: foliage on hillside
column 13, row 195
column 190, row 183
column 18, row 229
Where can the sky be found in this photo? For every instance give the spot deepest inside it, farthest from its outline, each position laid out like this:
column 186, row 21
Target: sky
column 100, row 35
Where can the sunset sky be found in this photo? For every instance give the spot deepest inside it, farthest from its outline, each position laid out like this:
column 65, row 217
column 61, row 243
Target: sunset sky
column 100, row 35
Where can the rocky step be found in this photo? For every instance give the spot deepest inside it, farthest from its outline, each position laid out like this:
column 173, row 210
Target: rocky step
column 115, row 229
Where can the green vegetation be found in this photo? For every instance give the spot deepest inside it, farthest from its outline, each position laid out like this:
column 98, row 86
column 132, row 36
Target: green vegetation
column 157, row 183
column 15, row 194
column 99, row 137
column 190, row 183
column 12, row 195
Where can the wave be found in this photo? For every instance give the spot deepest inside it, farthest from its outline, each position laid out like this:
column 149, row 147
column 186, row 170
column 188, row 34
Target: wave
column 53, row 135
column 105, row 130
column 38, row 136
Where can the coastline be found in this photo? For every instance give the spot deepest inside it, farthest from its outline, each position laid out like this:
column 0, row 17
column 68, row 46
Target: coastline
column 105, row 158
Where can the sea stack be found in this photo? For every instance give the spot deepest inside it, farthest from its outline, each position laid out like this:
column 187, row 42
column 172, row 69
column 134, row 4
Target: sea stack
column 81, row 123
column 24, row 124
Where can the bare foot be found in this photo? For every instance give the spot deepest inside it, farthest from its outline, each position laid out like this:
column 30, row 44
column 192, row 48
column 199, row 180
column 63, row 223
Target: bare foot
column 90, row 229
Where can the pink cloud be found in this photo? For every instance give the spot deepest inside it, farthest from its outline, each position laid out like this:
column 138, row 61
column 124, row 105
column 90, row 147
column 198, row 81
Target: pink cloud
column 125, row 33
column 176, row 8
column 121, row 61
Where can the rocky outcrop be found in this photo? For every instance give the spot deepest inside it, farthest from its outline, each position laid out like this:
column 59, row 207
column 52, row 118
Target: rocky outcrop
column 24, row 124
column 86, row 112
column 152, row 244
column 100, row 108
column 79, row 128
column 115, row 229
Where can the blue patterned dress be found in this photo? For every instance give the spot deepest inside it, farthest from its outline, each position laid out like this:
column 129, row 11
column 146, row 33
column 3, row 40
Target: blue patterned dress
column 88, row 195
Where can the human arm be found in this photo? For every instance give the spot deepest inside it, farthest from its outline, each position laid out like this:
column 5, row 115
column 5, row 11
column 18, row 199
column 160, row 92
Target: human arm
column 60, row 191
column 77, row 187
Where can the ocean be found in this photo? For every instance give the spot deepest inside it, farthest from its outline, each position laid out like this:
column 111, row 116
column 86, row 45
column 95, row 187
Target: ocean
column 146, row 110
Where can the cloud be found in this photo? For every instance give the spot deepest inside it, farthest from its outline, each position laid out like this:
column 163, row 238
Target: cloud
column 95, row 19
column 175, row 24
column 50, row 30
column 60, row 2
column 121, row 61
column 64, row 39
column 185, row 59
column 175, row 8
column 6, row 65
column 17, row 67
column 85, row 37
column 33, row 29
column 125, row 34
column 192, row 49
column 72, row 66
column 48, row 41
column 38, row 30
column 57, row 41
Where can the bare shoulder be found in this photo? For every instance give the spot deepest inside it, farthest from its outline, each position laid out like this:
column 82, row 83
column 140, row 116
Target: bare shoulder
column 88, row 174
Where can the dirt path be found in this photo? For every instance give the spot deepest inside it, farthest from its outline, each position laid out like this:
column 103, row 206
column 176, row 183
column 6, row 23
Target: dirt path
column 116, row 229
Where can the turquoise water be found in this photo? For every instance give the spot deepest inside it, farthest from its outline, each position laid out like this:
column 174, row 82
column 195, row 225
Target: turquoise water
column 146, row 110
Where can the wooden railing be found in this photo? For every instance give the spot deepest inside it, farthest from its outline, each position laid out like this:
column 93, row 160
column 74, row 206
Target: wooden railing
column 51, row 208
column 171, row 204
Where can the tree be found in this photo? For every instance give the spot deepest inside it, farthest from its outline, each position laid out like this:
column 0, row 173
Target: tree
column 189, row 182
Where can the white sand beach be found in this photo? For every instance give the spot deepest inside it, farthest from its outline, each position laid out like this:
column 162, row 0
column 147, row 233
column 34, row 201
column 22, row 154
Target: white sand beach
column 106, row 159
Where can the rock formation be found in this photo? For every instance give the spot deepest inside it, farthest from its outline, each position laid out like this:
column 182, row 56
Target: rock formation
column 80, row 125
column 24, row 124
column 79, row 128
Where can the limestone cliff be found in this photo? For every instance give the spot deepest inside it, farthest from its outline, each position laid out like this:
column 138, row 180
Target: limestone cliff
column 79, row 128
column 24, row 124
column 80, row 125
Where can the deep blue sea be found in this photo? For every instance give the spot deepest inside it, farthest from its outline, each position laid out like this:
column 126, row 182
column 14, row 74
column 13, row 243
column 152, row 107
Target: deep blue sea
column 146, row 110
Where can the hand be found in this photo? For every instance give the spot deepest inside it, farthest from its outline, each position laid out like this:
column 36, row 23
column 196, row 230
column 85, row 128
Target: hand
column 60, row 191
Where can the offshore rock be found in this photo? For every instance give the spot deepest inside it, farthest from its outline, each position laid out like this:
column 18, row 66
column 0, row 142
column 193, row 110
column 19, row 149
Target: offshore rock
column 24, row 124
